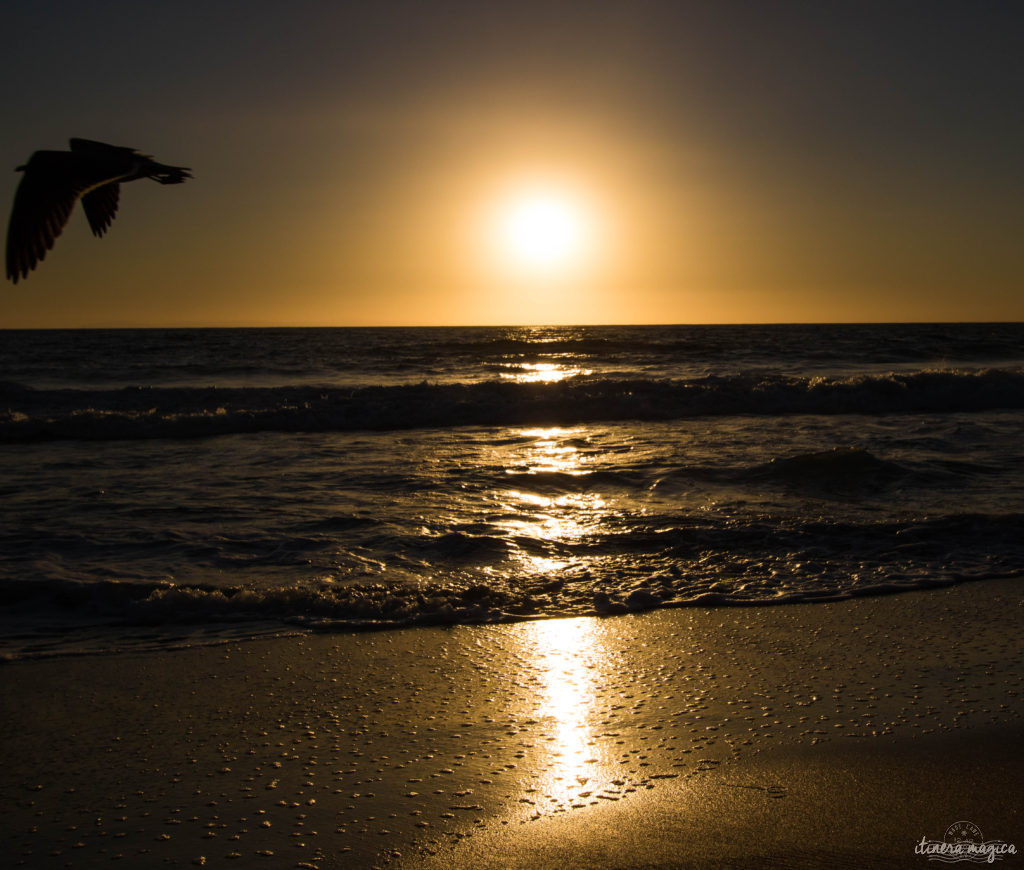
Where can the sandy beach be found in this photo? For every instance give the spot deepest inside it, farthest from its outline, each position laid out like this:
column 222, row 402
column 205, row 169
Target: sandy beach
column 795, row 736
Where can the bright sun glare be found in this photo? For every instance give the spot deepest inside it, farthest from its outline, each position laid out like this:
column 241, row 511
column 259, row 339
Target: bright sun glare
column 542, row 231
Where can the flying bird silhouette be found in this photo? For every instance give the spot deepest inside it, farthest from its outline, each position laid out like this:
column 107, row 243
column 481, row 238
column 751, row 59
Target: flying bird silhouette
column 55, row 180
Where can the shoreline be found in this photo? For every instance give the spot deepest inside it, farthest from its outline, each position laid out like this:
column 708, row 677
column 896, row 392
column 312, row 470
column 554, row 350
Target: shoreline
column 786, row 736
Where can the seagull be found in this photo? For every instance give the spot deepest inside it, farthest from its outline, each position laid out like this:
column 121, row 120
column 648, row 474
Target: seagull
column 55, row 180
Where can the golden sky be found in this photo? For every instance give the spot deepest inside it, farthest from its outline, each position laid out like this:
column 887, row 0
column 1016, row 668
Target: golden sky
column 361, row 164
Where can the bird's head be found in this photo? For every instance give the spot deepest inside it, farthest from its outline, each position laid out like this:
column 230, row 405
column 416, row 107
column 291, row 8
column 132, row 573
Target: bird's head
column 170, row 174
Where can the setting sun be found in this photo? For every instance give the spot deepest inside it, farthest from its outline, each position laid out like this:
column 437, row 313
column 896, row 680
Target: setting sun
column 541, row 230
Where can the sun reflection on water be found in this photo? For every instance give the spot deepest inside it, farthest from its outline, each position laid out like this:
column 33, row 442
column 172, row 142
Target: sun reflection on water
column 550, row 510
column 552, row 450
column 546, row 373
column 561, row 517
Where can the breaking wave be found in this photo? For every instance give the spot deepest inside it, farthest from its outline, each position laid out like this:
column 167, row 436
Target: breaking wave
column 730, row 565
column 149, row 412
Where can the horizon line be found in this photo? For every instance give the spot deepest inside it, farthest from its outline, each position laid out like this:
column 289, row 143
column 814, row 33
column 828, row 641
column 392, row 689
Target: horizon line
column 253, row 326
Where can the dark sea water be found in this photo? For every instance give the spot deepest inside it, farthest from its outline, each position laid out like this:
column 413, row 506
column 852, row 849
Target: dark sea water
column 168, row 487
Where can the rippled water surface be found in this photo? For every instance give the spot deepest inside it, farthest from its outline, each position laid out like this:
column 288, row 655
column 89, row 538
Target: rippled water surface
column 165, row 487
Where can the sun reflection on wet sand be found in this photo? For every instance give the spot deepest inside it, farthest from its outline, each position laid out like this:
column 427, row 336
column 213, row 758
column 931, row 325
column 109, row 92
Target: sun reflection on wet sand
column 569, row 654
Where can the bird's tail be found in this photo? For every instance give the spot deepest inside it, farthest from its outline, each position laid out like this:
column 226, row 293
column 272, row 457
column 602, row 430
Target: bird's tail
column 168, row 174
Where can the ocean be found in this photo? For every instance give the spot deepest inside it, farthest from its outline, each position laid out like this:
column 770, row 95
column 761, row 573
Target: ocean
column 168, row 488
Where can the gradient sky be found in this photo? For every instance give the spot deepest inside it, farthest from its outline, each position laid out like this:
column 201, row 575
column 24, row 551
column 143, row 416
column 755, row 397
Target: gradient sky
column 741, row 162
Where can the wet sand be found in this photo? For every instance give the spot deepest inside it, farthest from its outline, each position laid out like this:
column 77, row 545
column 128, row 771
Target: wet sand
column 857, row 806
column 795, row 736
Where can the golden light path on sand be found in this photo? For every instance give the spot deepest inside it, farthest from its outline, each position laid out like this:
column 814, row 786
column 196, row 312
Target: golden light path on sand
column 568, row 653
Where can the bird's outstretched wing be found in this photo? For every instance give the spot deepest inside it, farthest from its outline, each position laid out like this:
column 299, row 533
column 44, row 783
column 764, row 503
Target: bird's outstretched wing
column 52, row 182
column 99, row 149
column 42, row 206
column 100, row 205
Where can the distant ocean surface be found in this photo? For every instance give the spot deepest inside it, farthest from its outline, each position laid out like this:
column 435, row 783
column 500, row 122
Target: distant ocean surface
column 175, row 487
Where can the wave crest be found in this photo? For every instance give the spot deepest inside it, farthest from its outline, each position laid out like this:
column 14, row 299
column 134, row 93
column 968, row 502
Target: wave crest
column 135, row 413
